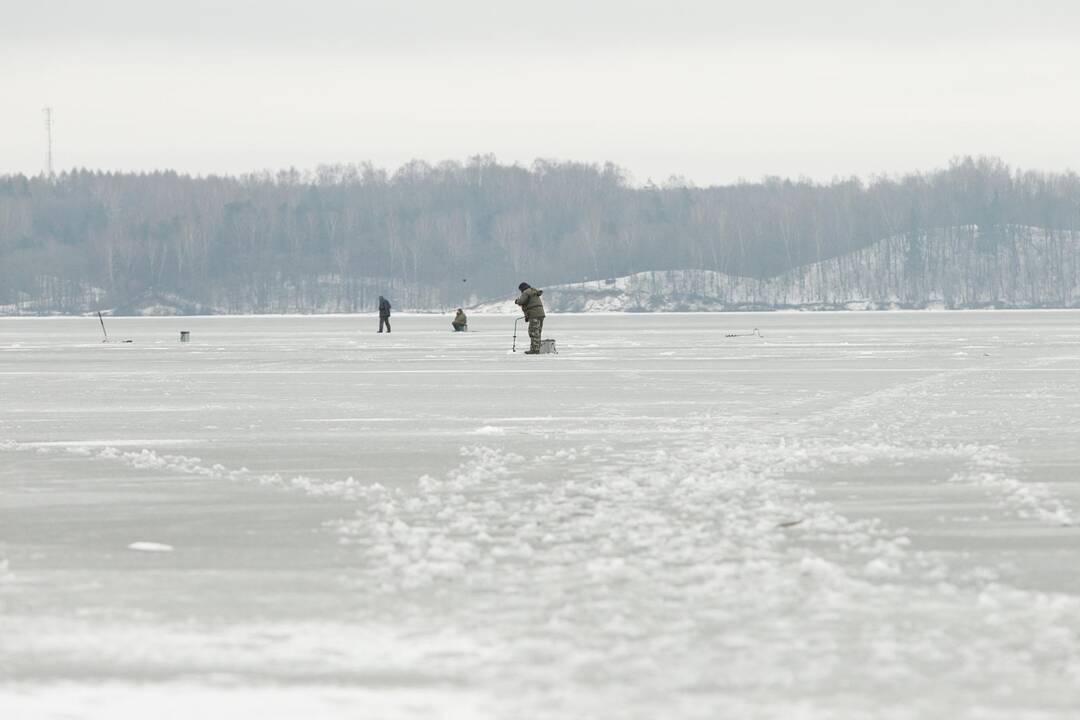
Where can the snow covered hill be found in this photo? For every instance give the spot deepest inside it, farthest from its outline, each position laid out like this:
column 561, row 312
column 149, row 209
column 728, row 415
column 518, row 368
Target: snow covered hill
column 1010, row 267
column 960, row 267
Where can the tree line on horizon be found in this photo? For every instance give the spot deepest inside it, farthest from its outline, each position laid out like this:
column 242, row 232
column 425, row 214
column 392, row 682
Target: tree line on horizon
column 440, row 234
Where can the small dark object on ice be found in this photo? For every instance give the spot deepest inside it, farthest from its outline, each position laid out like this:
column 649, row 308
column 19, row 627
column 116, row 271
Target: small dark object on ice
column 749, row 334
column 790, row 523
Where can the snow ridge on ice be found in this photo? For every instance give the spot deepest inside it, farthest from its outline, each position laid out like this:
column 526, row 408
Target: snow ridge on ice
column 680, row 552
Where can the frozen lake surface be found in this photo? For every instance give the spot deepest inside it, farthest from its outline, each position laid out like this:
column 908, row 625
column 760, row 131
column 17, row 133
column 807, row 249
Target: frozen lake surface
column 854, row 515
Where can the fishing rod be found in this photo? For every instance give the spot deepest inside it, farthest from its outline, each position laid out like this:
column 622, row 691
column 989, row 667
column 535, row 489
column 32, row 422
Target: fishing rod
column 106, row 332
column 513, row 348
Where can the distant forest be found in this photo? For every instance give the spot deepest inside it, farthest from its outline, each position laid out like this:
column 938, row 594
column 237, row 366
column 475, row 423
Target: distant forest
column 439, row 235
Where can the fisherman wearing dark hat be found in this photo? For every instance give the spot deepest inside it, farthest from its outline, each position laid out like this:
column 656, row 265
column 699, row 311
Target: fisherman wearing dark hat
column 531, row 305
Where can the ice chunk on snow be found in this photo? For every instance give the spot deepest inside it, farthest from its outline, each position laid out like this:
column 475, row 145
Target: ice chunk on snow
column 145, row 546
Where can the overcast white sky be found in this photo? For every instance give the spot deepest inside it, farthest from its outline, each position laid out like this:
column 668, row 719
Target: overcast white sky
column 712, row 91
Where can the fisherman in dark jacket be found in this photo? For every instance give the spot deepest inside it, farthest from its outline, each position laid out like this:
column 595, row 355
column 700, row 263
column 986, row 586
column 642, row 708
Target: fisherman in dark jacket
column 531, row 305
column 460, row 323
column 384, row 314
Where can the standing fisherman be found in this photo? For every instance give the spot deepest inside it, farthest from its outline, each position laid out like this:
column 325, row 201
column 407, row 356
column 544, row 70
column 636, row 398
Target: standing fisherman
column 531, row 305
column 384, row 313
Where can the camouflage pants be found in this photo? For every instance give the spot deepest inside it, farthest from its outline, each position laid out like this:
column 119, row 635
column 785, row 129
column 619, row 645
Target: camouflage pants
column 536, row 325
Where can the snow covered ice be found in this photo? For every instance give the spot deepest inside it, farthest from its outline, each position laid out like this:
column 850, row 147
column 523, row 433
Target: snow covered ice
column 853, row 515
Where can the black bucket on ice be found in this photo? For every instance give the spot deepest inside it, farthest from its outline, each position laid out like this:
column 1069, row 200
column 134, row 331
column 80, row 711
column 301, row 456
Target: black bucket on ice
column 185, row 336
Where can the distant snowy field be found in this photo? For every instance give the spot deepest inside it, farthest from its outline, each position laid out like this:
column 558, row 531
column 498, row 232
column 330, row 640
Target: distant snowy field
column 853, row 515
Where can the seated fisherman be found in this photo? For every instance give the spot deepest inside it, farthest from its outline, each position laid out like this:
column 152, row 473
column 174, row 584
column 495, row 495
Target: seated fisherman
column 460, row 322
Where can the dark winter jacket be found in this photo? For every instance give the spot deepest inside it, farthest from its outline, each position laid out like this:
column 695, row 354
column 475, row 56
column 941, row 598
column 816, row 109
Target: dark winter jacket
column 384, row 307
column 460, row 318
column 530, row 303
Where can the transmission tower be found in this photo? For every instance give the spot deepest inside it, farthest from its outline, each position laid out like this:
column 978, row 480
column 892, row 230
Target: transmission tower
column 48, row 137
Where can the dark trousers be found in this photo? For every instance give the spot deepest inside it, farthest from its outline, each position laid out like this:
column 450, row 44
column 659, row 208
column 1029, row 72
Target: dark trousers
column 384, row 320
column 457, row 328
